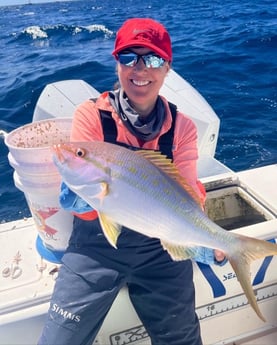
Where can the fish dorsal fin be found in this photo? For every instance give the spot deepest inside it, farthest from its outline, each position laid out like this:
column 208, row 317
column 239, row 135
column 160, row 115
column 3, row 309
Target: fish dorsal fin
column 166, row 165
column 110, row 229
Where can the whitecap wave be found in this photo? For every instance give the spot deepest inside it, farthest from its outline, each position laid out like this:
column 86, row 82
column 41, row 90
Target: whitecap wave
column 99, row 27
column 29, row 14
column 35, row 32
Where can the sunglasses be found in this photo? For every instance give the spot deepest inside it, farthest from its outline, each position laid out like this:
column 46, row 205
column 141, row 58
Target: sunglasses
column 130, row 59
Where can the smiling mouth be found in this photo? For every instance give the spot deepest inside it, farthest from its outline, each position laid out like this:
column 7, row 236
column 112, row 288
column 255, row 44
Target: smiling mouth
column 140, row 82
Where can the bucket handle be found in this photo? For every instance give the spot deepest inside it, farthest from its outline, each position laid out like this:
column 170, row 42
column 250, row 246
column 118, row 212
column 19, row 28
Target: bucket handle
column 3, row 133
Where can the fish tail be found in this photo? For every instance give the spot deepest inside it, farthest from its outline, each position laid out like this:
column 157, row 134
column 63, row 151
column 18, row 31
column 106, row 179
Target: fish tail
column 248, row 250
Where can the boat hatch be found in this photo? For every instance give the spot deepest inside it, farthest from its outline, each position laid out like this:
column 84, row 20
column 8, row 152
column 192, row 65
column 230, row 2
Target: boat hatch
column 232, row 208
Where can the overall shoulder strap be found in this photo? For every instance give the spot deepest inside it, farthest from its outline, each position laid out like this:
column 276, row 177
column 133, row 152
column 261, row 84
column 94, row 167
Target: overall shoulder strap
column 110, row 130
column 166, row 140
column 108, row 126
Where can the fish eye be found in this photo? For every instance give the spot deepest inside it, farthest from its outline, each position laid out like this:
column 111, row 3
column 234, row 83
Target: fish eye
column 80, row 152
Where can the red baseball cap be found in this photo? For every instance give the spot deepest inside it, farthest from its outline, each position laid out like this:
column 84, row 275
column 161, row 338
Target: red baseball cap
column 144, row 32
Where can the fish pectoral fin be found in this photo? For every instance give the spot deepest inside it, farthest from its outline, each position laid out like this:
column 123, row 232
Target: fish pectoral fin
column 110, row 229
column 104, row 190
column 179, row 253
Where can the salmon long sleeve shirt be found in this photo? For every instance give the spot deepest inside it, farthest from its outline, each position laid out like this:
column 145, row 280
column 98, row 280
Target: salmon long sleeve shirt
column 87, row 126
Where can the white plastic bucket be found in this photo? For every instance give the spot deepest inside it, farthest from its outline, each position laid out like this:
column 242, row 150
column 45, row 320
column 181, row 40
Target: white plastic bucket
column 36, row 175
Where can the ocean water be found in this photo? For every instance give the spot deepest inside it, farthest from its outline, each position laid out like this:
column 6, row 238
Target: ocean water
column 226, row 49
